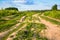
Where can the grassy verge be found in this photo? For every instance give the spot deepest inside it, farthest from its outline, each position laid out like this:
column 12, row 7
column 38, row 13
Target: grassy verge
column 51, row 20
column 28, row 34
column 9, row 24
column 5, row 37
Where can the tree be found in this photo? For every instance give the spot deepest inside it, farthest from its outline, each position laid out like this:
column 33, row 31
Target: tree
column 11, row 8
column 54, row 7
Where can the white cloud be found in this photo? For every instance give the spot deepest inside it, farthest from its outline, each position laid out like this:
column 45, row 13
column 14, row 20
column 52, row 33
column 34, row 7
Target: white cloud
column 19, row 1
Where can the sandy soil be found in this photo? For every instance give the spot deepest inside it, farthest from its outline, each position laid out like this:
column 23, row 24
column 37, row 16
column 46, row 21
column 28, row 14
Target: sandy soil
column 53, row 18
column 52, row 32
column 2, row 34
column 14, row 33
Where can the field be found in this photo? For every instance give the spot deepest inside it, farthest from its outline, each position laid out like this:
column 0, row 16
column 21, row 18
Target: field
column 29, row 25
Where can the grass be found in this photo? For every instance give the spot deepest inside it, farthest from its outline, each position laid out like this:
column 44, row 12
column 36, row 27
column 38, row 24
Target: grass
column 8, row 24
column 54, row 14
column 51, row 20
column 27, row 34
column 36, row 25
column 14, row 20
column 5, row 37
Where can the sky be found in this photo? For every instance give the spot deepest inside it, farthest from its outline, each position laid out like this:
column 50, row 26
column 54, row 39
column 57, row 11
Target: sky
column 29, row 4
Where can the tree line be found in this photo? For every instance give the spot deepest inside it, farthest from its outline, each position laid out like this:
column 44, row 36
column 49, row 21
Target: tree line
column 54, row 7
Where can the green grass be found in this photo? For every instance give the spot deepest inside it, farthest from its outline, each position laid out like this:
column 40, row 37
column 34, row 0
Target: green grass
column 3, row 20
column 36, row 25
column 8, row 24
column 6, row 36
column 54, row 14
column 4, row 13
column 27, row 34
column 51, row 20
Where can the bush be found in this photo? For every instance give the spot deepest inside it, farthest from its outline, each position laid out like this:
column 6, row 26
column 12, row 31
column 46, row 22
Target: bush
column 11, row 8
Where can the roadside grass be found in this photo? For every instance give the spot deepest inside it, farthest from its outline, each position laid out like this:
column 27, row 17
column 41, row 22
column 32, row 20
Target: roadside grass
column 5, row 37
column 9, row 24
column 51, row 20
column 27, row 34
column 54, row 14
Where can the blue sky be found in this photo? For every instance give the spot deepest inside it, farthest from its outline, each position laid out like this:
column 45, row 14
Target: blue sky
column 29, row 4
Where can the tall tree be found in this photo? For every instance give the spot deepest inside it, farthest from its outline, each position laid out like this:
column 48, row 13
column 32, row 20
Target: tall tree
column 54, row 7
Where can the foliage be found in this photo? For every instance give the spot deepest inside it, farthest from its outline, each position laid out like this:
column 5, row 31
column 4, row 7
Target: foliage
column 11, row 8
column 54, row 7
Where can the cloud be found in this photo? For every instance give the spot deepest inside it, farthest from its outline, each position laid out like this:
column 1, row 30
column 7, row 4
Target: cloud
column 23, row 2
column 19, row 1
column 31, row 2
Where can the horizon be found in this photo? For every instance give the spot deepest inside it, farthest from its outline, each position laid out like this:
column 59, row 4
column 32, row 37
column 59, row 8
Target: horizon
column 24, row 5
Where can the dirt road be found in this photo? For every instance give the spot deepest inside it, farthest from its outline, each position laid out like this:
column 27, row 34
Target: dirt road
column 2, row 34
column 52, row 32
column 14, row 33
